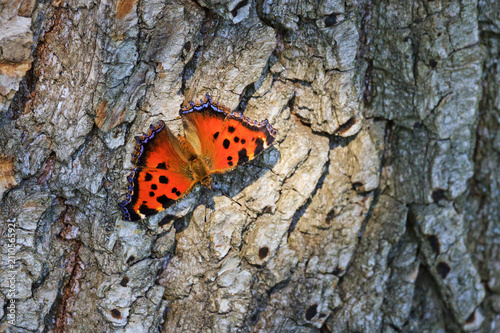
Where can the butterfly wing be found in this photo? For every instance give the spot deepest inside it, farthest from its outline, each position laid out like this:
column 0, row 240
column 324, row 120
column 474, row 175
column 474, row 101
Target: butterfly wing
column 240, row 140
column 202, row 125
column 227, row 139
column 161, row 175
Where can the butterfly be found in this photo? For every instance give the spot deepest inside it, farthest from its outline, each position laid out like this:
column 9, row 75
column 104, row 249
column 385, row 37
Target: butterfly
column 166, row 167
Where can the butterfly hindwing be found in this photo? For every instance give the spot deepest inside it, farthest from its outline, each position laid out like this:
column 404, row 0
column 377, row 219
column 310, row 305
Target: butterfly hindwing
column 156, row 190
column 161, row 175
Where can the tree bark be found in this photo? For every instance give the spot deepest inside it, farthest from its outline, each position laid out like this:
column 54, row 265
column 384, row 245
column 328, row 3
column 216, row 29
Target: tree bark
column 376, row 210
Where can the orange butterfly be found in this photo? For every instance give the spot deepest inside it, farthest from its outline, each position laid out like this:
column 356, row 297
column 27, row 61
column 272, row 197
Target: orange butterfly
column 167, row 167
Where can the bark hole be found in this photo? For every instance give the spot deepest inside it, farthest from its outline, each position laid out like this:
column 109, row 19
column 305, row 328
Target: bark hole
column 434, row 242
column 130, row 260
column 311, row 312
column 471, row 318
column 329, row 217
column 443, row 269
column 263, row 252
column 116, row 314
column 331, row 20
column 124, row 281
column 437, row 195
column 347, row 125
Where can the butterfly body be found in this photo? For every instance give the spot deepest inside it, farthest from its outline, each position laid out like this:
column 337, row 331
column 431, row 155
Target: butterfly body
column 200, row 171
column 216, row 140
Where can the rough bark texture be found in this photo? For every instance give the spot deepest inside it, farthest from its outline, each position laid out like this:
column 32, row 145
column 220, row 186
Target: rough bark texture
column 376, row 210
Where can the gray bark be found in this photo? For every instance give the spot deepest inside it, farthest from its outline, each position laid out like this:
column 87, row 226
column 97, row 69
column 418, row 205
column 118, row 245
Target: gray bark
column 376, row 210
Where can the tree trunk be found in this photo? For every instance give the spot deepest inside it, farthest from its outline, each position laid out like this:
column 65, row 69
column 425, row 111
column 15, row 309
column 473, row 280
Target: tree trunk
column 376, row 210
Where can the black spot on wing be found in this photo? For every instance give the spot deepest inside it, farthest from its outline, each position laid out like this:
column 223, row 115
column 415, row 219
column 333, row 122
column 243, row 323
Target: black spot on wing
column 229, row 158
column 163, row 180
column 226, row 143
column 259, row 146
column 231, row 129
column 165, row 202
column 242, row 156
column 178, row 193
column 243, row 141
column 154, row 187
column 148, row 177
column 230, row 163
column 236, row 139
column 151, row 194
column 174, row 190
column 162, row 165
column 145, row 210
column 216, row 135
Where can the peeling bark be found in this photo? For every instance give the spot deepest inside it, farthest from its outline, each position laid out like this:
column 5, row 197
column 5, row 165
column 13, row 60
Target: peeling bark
column 376, row 209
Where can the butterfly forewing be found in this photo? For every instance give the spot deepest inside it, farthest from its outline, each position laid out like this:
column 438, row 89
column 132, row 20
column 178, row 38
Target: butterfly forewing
column 228, row 139
column 240, row 141
column 203, row 124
